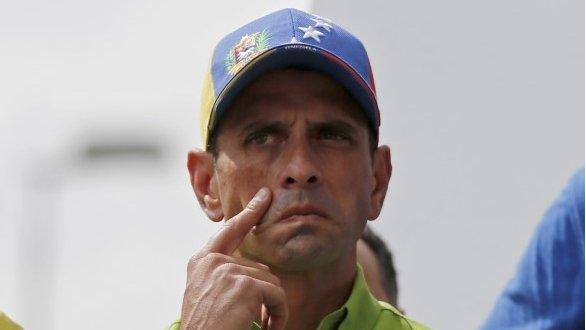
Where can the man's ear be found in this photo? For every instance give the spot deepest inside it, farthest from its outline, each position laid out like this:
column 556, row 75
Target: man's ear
column 200, row 165
column 382, row 170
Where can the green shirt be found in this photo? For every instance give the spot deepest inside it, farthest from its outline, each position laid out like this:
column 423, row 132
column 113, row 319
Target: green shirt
column 361, row 311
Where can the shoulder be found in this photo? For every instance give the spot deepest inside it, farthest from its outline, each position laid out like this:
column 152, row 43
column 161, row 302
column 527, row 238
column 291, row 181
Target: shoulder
column 7, row 324
column 175, row 326
column 391, row 318
column 563, row 223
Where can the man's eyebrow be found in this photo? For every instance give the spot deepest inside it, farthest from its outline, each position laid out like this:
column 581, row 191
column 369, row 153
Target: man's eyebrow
column 262, row 125
column 338, row 125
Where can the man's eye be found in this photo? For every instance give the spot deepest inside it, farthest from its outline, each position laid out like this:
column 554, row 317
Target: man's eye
column 260, row 139
column 329, row 135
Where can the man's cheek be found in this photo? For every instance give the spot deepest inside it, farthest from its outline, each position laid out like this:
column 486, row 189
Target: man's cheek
column 248, row 181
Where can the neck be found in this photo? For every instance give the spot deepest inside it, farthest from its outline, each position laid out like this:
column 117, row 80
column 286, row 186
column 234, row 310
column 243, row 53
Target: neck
column 315, row 293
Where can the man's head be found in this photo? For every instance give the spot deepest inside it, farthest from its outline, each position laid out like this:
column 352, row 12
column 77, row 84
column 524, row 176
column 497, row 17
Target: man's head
column 303, row 134
column 377, row 261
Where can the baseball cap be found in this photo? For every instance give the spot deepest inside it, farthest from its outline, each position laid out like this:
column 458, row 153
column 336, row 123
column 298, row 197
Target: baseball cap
column 286, row 38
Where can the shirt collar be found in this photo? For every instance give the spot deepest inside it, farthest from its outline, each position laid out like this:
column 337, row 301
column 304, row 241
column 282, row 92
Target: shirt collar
column 361, row 310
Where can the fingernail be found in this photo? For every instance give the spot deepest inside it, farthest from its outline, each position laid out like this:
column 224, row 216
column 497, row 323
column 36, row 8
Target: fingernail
column 262, row 194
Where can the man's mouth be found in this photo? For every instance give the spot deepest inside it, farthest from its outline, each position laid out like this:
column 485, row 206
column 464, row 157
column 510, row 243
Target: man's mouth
column 302, row 211
column 288, row 208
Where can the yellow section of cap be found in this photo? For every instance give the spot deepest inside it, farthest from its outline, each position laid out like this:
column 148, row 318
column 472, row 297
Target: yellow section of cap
column 208, row 97
column 207, row 103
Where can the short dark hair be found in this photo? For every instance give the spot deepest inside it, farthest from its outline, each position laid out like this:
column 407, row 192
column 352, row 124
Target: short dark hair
column 384, row 258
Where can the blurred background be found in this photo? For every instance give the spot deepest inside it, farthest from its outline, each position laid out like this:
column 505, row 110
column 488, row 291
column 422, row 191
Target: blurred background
column 482, row 105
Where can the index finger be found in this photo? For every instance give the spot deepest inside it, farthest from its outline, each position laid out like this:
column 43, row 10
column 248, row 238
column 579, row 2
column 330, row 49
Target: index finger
column 229, row 238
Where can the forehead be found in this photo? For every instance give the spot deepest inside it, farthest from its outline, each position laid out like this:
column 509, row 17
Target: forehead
column 288, row 91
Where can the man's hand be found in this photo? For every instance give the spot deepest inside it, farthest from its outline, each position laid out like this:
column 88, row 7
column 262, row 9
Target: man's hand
column 225, row 292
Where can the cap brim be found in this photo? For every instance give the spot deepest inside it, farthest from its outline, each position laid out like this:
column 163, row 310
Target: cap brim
column 303, row 56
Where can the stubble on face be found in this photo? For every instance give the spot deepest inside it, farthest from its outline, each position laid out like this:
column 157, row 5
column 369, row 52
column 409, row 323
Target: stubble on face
column 297, row 99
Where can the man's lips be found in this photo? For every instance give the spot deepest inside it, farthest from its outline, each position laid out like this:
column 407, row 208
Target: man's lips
column 302, row 210
column 289, row 208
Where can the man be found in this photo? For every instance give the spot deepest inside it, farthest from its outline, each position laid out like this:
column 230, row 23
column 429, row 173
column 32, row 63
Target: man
column 547, row 292
column 293, row 170
column 377, row 263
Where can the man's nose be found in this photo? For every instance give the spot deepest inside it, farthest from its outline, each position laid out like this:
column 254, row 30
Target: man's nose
column 301, row 168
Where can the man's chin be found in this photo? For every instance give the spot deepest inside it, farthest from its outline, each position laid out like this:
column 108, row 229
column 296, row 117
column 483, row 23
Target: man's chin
column 301, row 252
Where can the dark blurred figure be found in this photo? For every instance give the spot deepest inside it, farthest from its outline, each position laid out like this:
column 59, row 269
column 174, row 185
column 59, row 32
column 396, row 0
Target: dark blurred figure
column 377, row 261
column 548, row 290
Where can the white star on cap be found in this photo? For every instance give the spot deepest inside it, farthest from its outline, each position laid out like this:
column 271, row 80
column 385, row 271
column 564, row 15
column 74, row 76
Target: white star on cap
column 322, row 24
column 294, row 40
column 322, row 18
column 311, row 32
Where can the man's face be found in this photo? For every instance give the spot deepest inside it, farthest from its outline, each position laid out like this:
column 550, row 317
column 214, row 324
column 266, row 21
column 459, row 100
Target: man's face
column 300, row 134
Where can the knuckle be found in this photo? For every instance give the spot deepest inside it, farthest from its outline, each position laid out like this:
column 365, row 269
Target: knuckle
column 226, row 225
column 229, row 225
column 207, row 261
column 219, row 275
column 253, row 205
column 194, row 260
column 226, row 268
column 244, row 283
column 215, row 259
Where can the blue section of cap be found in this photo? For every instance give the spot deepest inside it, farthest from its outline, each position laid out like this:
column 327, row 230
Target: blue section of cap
column 337, row 41
column 278, row 27
column 281, row 27
column 293, row 38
